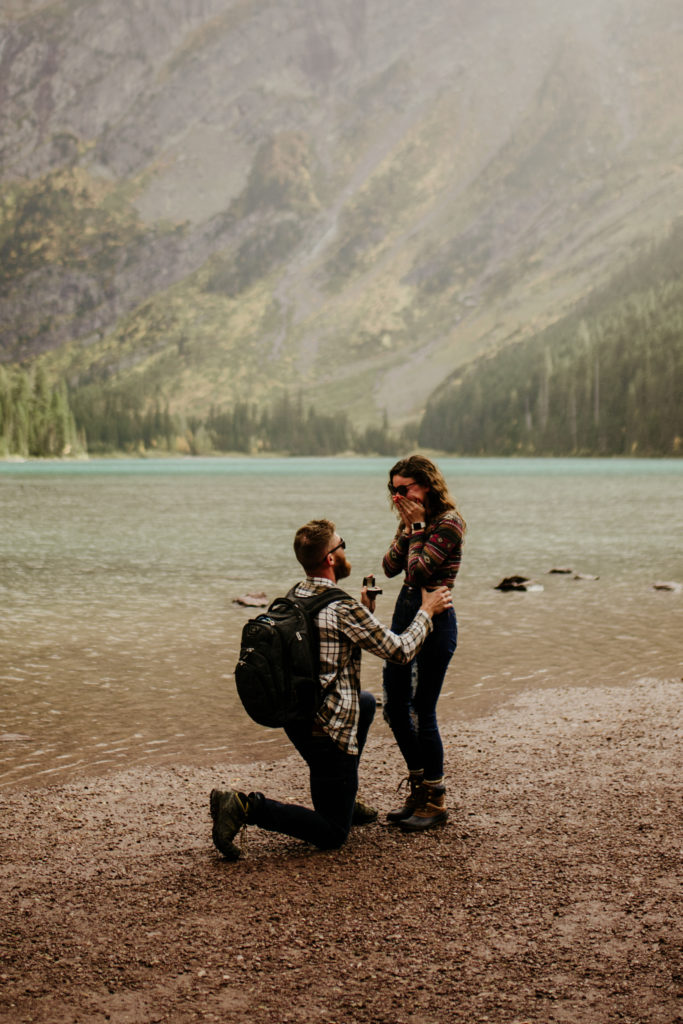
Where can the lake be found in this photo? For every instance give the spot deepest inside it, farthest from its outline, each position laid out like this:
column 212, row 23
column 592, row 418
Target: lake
column 120, row 633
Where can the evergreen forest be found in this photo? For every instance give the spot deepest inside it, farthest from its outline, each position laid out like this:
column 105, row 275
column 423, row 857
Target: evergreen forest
column 605, row 380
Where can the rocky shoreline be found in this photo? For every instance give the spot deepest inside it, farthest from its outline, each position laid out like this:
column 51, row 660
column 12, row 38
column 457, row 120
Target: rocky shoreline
column 552, row 895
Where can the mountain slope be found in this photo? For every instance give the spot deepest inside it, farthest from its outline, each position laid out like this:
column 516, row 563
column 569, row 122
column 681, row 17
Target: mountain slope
column 606, row 378
column 218, row 200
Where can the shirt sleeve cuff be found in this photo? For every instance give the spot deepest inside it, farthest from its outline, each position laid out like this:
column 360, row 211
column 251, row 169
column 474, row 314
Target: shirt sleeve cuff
column 427, row 616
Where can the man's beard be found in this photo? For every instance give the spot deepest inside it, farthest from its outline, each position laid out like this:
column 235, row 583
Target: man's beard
column 342, row 568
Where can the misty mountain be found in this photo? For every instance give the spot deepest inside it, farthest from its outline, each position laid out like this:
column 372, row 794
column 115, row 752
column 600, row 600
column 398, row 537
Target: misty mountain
column 221, row 201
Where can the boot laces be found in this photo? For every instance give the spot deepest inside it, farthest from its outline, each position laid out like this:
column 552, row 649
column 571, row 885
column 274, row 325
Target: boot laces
column 242, row 834
column 410, row 784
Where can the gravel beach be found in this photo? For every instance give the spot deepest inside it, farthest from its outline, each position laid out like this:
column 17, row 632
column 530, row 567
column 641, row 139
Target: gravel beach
column 553, row 894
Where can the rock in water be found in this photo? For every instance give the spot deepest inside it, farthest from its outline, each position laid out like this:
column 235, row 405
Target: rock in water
column 252, row 600
column 521, row 583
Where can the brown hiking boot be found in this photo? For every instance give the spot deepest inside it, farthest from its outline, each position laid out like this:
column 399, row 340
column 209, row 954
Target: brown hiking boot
column 412, row 782
column 430, row 811
column 363, row 814
column 229, row 810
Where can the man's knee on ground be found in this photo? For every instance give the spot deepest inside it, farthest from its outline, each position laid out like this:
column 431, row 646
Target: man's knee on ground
column 333, row 837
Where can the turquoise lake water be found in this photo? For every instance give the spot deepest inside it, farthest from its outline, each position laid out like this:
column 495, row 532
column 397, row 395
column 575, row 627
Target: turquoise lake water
column 119, row 631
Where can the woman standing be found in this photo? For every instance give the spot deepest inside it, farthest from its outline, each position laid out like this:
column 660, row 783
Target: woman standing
column 427, row 547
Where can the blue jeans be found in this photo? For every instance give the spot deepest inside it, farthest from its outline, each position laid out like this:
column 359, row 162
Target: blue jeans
column 334, row 784
column 411, row 691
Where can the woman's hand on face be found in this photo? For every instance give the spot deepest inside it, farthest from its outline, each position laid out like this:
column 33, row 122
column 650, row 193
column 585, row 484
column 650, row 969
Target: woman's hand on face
column 410, row 511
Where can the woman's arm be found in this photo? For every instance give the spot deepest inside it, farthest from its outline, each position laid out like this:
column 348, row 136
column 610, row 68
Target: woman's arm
column 395, row 559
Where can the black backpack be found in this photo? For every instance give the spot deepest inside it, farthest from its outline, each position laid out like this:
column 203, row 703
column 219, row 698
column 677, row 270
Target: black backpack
column 278, row 672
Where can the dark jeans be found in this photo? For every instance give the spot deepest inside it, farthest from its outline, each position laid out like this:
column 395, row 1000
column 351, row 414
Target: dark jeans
column 334, row 784
column 411, row 691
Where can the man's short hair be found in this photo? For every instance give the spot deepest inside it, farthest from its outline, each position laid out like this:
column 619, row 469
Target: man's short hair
column 312, row 542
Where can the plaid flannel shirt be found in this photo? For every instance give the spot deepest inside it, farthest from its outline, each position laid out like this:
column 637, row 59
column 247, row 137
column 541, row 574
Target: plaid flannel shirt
column 346, row 626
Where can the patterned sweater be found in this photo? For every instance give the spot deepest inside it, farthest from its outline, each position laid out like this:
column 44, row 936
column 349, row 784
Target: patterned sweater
column 431, row 557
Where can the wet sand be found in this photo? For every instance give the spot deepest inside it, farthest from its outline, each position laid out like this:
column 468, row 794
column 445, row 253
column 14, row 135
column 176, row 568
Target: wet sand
column 552, row 895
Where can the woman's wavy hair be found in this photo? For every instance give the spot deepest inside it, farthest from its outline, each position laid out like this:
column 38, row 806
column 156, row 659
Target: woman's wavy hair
column 424, row 472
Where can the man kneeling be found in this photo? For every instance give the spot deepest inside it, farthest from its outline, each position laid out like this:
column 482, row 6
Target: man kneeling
column 332, row 744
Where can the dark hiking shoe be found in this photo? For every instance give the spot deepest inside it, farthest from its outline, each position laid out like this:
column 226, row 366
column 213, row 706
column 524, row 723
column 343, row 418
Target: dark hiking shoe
column 363, row 813
column 229, row 811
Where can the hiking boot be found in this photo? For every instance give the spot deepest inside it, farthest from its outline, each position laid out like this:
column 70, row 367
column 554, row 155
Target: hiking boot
column 229, row 810
column 430, row 811
column 412, row 782
column 363, row 813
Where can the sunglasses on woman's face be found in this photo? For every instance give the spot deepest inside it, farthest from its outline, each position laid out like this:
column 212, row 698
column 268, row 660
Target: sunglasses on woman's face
column 401, row 489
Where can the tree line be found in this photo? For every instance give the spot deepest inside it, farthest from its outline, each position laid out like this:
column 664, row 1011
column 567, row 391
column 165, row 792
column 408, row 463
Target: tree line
column 605, row 380
column 101, row 419
column 117, row 419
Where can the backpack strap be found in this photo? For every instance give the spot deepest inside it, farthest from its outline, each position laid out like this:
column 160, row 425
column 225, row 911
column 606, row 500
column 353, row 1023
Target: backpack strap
column 314, row 603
